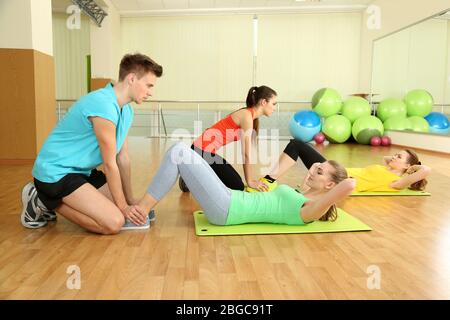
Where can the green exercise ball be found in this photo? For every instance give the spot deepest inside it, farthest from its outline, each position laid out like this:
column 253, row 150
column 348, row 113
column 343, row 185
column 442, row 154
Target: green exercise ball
column 419, row 103
column 391, row 107
column 419, row 124
column 397, row 123
column 367, row 127
column 356, row 107
column 337, row 128
column 326, row 102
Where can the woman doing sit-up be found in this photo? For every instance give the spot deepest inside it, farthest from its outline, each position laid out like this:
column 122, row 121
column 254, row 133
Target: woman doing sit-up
column 403, row 170
column 328, row 184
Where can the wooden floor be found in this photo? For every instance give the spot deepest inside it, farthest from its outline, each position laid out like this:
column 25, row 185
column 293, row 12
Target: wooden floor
column 410, row 244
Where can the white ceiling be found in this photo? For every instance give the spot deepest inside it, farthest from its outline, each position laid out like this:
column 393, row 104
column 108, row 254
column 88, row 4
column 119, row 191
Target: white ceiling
column 167, row 7
column 62, row 5
column 128, row 5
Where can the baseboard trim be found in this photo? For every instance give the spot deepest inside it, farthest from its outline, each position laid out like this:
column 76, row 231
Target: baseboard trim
column 422, row 141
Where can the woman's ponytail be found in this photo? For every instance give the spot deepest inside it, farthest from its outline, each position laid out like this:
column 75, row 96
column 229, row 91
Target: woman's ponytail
column 251, row 97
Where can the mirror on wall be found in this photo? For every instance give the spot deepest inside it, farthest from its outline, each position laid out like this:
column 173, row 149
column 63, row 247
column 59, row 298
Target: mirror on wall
column 410, row 67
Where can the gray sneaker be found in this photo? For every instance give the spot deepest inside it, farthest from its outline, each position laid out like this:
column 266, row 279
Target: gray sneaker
column 131, row 226
column 32, row 214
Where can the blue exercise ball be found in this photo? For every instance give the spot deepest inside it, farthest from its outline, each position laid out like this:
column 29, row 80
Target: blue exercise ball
column 304, row 125
column 438, row 123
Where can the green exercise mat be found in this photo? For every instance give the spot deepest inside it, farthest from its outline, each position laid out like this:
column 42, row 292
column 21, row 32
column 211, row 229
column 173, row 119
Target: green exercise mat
column 345, row 222
column 404, row 192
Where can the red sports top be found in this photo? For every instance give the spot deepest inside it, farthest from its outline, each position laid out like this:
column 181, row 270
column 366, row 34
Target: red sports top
column 220, row 134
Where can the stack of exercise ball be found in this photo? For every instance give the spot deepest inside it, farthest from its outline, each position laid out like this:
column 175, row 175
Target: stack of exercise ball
column 391, row 107
column 355, row 108
column 327, row 103
column 409, row 113
column 339, row 119
column 353, row 117
column 364, row 125
column 391, row 114
column 438, row 123
column 399, row 123
column 304, row 125
column 419, row 104
column 367, row 127
column 337, row 128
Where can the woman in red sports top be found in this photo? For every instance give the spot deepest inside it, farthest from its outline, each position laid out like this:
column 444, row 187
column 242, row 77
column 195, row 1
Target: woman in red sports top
column 241, row 124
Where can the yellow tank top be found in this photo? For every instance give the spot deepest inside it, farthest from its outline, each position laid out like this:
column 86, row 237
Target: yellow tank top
column 373, row 178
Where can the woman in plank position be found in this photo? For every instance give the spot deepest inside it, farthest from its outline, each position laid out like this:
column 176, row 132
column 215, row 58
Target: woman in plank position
column 242, row 124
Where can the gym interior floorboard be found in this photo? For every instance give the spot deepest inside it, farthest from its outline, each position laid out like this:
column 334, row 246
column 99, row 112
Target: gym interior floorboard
column 409, row 245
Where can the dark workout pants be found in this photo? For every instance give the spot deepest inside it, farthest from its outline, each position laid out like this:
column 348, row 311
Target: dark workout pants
column 229, row 176
column 225, row 171
column 299, row 149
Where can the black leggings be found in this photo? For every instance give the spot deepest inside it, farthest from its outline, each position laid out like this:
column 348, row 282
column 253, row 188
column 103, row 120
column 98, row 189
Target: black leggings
column 308, row 155
column 229, row 176
column 222, row 168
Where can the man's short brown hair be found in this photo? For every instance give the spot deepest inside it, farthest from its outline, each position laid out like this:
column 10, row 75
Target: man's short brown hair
column 139, row 64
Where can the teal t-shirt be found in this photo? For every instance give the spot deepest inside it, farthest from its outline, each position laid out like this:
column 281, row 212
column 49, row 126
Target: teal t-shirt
column 281, row 205
column 72, row 146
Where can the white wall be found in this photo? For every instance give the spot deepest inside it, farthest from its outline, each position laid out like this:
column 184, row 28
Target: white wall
column 105, row 45
column 204, row 57
column 26, row 24
column 41, row 18
column 413, row 58
column 116, row 40
column 447, row 77
column 211, row 58
column 390, row 66
column 395, row 15
column 21, row 38
column 427, row 57
column 301, row 53
column 71, row 46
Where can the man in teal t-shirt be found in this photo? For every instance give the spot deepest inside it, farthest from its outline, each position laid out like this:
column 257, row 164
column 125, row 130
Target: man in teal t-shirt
column 93, row 132
column 72, row 146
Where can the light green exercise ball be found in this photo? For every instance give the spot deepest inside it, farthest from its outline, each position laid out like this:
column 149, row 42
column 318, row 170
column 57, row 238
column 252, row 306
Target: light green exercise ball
column 391, row 107
column 397, row 123
column 419, row 103
column 356, row 107
column 337, row 128
column 326, row 102
column 367, row 127
column 419, row 124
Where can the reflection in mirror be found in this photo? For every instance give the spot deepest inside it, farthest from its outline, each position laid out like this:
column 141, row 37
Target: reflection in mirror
column 417, row 57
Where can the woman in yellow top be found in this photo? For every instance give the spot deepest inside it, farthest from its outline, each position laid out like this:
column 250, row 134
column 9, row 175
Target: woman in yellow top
column 400, row 171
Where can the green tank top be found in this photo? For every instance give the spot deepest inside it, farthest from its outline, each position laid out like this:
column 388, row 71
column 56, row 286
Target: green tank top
column 281, row 205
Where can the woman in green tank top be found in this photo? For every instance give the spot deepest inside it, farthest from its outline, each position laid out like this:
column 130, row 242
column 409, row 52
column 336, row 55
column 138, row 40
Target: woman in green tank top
column 328, row 183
